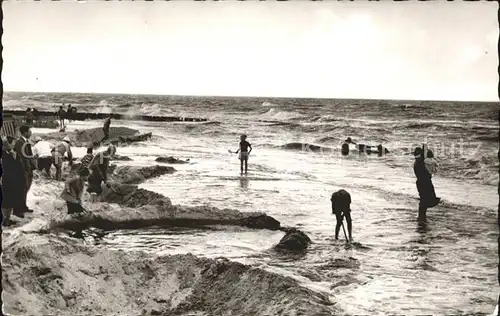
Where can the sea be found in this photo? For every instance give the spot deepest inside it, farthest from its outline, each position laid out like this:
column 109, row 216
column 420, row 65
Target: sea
column 397, row 266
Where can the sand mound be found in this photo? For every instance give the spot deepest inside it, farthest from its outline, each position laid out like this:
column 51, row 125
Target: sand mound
column 133, row 175
column 52, row 275
column 171, row 160
column 160, row 214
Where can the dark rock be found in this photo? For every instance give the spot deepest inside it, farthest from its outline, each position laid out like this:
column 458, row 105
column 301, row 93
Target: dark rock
column 130, row 139
column 134, row 175
column 171, row 160
column 294, row 240
column 261, row 222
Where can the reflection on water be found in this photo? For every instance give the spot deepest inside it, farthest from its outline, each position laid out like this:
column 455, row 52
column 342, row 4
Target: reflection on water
column 244, row 183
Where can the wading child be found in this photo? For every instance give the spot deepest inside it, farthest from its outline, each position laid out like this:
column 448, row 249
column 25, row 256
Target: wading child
column 73, row 191
column 244, row 152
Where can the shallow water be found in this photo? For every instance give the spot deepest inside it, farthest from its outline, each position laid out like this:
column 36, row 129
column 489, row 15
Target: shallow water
column 399, row 267
column 448, row 266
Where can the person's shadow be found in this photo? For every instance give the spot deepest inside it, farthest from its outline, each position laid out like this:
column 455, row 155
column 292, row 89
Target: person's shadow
column 244, row 183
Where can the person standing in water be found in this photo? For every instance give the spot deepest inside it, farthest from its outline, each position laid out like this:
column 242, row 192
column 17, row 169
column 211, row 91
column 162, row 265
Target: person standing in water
column 244, row 152
column 341, row 207
column 424, row 184
column 345, row 146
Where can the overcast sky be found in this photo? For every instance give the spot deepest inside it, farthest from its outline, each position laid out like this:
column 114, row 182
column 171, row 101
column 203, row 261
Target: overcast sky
column 410, row 50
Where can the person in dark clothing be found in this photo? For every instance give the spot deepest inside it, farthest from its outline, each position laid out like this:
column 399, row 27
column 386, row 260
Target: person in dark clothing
column 29, row 116
column 106, row 126
column 244, row 152
column 341, row 207
column 62, row 115
column 99, row 167
column 381, row 150
column 12, row 187
column 345, row 146
column 25, row 158
column 35, row 114
column 87, row 159
column 69, row 112
column 424, row 184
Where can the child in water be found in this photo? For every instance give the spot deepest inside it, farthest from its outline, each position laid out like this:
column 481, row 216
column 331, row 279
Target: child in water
column 73, row 191
column 244, row 152
column 430, row 163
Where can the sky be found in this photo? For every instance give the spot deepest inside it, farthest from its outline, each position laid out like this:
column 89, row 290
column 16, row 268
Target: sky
column 382, row 50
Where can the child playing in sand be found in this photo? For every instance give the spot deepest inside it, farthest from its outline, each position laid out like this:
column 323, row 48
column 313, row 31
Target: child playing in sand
column 244, row 152
column 430, row 163
column 73, row 191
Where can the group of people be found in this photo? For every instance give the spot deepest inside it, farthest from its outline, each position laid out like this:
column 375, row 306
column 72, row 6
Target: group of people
column 22, row 156
column 424, row 167
column 65, row 115
column 31, row 115
column 19, row 158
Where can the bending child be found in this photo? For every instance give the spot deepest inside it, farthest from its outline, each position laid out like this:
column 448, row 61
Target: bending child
column 341, row 206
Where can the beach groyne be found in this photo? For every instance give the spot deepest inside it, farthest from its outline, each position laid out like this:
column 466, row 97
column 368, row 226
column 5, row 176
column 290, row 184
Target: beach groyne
column 82, row 116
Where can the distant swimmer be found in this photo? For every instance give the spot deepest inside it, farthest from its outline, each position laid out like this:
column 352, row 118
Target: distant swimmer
column 341, row 207
column 345, row 146
column 243, row 152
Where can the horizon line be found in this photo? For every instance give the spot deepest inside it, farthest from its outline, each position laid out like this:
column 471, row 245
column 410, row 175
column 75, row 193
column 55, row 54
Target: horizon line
column 248, row 96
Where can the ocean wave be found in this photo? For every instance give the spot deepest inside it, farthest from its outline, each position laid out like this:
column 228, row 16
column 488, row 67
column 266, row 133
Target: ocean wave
column 306, row 147
column 267, row 104
column 327, row 139
column 277, row 115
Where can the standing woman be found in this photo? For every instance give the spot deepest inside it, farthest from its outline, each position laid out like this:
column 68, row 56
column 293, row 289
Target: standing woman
column 12, row 187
